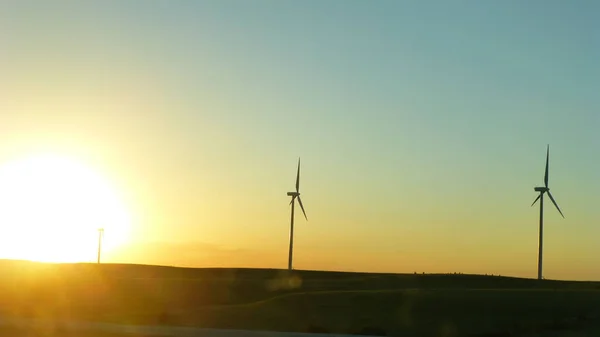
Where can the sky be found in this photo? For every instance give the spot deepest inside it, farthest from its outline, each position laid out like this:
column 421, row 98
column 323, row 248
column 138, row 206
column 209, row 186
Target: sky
column 422, row 127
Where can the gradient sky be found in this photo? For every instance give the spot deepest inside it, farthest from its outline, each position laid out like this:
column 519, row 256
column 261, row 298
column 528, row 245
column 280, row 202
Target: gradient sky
column 422, row 126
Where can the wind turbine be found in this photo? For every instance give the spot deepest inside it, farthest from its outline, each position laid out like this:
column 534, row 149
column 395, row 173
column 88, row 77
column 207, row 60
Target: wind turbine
column 100, row 237
column 542, row 190
column 294, row 195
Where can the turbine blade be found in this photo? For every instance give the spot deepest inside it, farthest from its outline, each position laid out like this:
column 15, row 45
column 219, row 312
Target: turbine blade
column 536, row 199
column 298, row 177
column 294, row 197
column 302, row 207
column 555, row 204
column 547, row 159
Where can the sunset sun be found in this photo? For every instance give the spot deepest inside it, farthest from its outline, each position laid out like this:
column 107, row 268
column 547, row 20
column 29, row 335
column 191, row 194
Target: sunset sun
column 51, row 208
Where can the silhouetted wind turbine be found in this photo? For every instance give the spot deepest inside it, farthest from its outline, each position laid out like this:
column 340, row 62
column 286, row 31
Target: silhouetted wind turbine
column 294, row 195
column 540, row 197
column 100, row 236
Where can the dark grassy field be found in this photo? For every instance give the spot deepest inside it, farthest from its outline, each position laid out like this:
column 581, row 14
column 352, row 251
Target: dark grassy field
column 263, row 299
column 21, row 332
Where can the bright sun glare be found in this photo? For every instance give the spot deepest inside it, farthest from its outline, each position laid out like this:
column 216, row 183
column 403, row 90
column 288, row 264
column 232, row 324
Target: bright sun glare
column 51, row 208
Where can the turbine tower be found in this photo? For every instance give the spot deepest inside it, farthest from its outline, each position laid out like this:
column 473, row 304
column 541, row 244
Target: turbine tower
column 100, row 237
column 294, row 195
column 541, row 191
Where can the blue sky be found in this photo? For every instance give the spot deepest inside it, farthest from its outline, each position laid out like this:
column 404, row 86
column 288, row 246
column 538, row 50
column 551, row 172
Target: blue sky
column 417, row 121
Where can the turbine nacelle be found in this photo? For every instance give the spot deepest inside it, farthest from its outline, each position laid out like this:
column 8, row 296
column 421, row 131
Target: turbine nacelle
column 541, row 189
column 293, row 194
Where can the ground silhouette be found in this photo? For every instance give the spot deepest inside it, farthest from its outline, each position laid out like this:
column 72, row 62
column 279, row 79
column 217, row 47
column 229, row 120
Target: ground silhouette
column 280, row 300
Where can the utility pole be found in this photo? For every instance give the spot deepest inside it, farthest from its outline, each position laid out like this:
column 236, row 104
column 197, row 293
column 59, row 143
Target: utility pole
column 100, row 236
